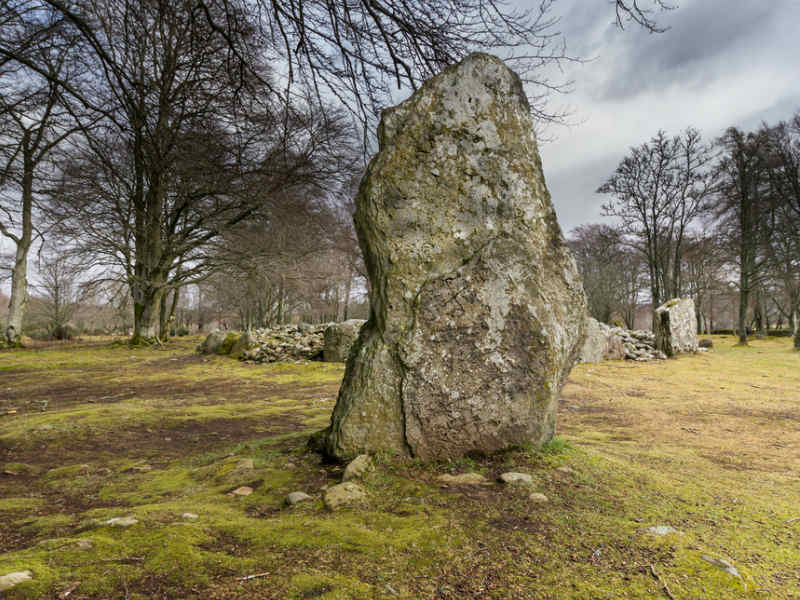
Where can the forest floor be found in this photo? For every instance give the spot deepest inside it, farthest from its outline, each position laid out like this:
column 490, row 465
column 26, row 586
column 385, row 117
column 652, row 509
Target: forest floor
column 707, row 444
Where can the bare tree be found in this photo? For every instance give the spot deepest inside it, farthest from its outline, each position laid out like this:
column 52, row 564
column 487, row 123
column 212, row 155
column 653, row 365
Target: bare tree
column 743, row 210
column 658, row 191
column 58, row 292
column 33, row 124
column 612, row 273
column 784, row 182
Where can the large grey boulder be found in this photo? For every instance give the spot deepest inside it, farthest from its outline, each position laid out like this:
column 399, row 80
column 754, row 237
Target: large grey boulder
column 676, row 327
column 213, row 342
column 477, row 308
column 339, row 339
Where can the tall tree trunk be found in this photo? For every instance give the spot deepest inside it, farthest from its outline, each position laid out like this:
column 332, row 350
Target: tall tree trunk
column 744, row 299
column 796, row 327
column 19, row 276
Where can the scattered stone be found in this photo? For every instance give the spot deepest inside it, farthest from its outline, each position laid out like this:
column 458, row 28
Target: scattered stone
column 241, row 491
column 516, row 478
column 343, row 494
column 140, row 468
column 285, row 343
column 121, row 521
column 358, row 467
column 463, row 479
column 84, row 544
column 339, row 339
column 469, row 273
column 706, row 343
column 604, row 342
column 676, row 327
column 723, row 564
column 565, row 470
column 245, row 464
column 662, row 530
column 297, row 497
column 538, row 498
column 190, row 516
column 13, row 579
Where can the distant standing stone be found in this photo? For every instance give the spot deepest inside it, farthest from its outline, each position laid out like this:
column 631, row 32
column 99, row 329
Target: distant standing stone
column 676, row 327
column 477, row 308
column 339, row 339
column 358, row 467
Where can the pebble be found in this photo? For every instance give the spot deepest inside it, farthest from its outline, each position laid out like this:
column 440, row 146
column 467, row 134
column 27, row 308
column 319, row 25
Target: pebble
column 189, row 516
column 358, row 467
column 121, row 521
column 343, row 494
column 241, row 491
column 463, row 479
column 538, row 498
column 297, row 497
column 662, row 530
column 12, row 579
column 723, row 564
column 516, row 478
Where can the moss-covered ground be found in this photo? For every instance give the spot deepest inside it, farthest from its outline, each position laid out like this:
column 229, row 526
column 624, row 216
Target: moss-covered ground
column 707, row 444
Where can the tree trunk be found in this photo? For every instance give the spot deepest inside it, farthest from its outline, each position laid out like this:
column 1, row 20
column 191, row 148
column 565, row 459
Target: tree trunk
column 19, row 276
column 146, row 313
column 744, row 299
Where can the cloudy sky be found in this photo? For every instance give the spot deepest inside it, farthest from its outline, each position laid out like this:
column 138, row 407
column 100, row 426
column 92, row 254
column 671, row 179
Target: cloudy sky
column 721, row 63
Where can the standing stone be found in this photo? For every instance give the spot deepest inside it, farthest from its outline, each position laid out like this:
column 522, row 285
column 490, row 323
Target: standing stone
column 593, row 349
column 339, row 339
column 676, row 327
column 477, row 308
column 602, row 343
column 212, row 343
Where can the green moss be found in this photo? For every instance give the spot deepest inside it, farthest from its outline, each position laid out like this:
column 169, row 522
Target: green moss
column 230, row 341
column 325, row 587
column 16, row 504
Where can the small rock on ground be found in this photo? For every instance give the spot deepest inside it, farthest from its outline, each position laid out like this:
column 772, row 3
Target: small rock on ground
column 9, row 581
column 189, row 516
column 241, row 491
column 358, row 467
column 343, row 494
column 121, row 521
column 662, row 530
column 565, row 471
column 463, row 479
column 84, row 544
column 297, row 497
column 723, row 564
column 538, row 498
column 516, row 478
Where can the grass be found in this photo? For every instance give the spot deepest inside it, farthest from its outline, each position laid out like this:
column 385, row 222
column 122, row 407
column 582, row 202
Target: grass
column 708, row 444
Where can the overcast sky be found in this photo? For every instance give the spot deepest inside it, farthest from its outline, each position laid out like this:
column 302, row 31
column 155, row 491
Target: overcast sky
column 721, row 63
